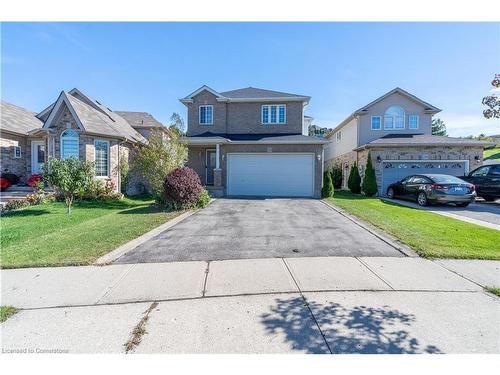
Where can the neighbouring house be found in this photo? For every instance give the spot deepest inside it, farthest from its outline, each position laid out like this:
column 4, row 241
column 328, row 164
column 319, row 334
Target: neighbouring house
column 253, row 142
column 318, row 131
column 75, row 125
column 396, row 130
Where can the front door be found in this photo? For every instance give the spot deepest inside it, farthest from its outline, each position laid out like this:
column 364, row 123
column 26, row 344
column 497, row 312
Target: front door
column 210, row 166
column 38, row 150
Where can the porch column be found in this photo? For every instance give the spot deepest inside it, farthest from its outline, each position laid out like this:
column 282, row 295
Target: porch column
column 217, row 170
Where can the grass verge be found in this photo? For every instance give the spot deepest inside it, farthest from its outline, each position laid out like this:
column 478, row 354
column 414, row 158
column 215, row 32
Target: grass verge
column 46, row 235
column 495, row 291
column 6, row 312
column 492, row 153
column 429, row 234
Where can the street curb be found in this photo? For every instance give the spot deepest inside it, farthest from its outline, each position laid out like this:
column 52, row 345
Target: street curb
column 391, row 241
column 131, row 245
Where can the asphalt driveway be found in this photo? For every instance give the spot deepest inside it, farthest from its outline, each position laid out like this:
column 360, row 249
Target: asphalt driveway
column 260, row 228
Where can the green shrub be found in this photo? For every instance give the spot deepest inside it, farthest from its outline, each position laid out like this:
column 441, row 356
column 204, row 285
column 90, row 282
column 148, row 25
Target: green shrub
column 204, row 199
column 124, row 175
column 69, row 177
column 15, row 204
column 336, row 173
column 354, row 181
column 100, row 190
column 327, row 190
column 370, row 181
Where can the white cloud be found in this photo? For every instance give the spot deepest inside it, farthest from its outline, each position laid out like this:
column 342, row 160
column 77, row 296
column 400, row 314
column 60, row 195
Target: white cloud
column 466, row 124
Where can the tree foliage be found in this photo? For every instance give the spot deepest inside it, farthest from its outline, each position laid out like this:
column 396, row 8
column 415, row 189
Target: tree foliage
column 157, row 158
column 69, row 177
column 493, row 101
column 439, row 127
column 336, row 173
column 369, row 181
column 327, row 190
column 176, row 122
column 354, row 181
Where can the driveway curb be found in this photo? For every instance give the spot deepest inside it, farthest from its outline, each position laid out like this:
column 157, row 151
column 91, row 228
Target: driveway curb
column 131, row 245
column 391, row 241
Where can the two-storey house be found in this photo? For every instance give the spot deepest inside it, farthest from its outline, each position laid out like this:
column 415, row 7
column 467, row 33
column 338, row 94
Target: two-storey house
column 396, row 129
column 253, row 142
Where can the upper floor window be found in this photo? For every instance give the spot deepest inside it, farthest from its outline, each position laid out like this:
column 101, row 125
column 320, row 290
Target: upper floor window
column 413, row 122
column 101, row 158
column 394, row 118
column 338, row 136
column 206, row 114
column 69, row 144
column 274, row 114
column 376, row 122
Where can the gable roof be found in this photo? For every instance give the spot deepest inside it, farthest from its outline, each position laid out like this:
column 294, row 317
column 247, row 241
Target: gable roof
column 429, row 108
column 18, row 120
column 92, row 116
column 140, row 119
column 247, row 94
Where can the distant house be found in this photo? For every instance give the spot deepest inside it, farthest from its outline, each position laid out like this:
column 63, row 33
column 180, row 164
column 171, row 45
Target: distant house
column 74, row 125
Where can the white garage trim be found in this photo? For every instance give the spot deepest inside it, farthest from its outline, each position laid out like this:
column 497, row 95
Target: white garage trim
column 466, row 161
column 310, row 189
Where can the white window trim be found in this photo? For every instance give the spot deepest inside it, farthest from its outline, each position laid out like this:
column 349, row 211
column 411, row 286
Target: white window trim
column 199, row 115
column 109, row 158
column 409, row 122
column 17, row 148
column 393, row 127
column 380, row 122
column 69, row 139
column 268, row 106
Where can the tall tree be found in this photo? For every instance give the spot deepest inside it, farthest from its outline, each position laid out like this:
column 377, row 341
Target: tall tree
column 370, row 180
column 439, row 127
column 177, row 122
column 493, row 101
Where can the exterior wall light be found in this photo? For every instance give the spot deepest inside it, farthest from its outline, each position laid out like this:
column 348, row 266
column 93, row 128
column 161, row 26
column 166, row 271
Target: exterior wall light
column 379, row 159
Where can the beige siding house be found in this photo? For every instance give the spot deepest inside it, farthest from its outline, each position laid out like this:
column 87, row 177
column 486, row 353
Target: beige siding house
column 396, row 129
column 250, row 142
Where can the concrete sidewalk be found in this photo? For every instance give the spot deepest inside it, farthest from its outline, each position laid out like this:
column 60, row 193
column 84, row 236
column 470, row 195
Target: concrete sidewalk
column 309, row 305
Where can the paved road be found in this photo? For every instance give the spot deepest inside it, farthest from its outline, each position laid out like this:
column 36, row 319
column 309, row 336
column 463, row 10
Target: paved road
column 481, row 211
column 291, row 305
column 260, row 228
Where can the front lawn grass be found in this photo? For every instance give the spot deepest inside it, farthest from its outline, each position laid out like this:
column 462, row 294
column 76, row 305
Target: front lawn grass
column 6, row 312
column 46, row 235
column 492, row 153
column 495, row 291
column 429, row 234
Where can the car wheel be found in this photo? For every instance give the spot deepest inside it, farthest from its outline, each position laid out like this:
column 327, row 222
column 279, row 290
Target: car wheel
column 488, row 198
column 463, row 204
column 390, row 193
column 422, row 199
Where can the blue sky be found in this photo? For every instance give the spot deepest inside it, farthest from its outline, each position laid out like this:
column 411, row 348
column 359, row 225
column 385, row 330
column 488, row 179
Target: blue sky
column 342, row 66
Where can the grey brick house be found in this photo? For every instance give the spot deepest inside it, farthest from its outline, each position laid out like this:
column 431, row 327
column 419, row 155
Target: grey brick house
column 74, row 125
column 396, row 129
column 253, row 142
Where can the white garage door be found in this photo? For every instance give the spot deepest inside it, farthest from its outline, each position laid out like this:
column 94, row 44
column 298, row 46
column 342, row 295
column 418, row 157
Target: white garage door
column 278, row 175
column 395, row 171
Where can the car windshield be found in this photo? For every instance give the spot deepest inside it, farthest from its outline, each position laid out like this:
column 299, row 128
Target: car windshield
column 445, row 179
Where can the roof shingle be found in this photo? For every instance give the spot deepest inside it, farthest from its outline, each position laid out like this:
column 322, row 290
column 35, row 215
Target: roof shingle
column 18, row 120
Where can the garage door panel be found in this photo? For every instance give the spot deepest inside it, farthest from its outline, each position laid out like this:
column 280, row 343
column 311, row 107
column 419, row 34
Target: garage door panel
column 395, row 171
column 271, row 175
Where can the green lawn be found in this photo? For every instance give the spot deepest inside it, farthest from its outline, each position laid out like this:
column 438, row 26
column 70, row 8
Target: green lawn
column 495, row 291
column 46, row 235
column 6, row 312
column 429, row 234
column 492, row 153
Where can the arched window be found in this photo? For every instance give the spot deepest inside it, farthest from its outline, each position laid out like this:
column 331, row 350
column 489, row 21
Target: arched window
column 69, row 144
column 394, row 118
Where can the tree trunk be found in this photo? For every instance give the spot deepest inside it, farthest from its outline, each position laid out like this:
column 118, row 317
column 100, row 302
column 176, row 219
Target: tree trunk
column 69, row 202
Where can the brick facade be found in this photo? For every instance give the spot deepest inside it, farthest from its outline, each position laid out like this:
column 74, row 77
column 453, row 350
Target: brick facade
column 9, row 163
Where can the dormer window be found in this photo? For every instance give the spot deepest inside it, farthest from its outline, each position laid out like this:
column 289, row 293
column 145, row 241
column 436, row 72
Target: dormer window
column 206, row 114
column 394, row 118
column 274, row 114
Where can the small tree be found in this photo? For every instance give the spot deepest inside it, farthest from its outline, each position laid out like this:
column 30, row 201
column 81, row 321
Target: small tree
column 70, row 177
column 336, row 173
column 176, row 122
column 327, row 190
column 156, row 159
column 369, row 181
column 354, row 181
column 493, row 101
column 438, row 127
